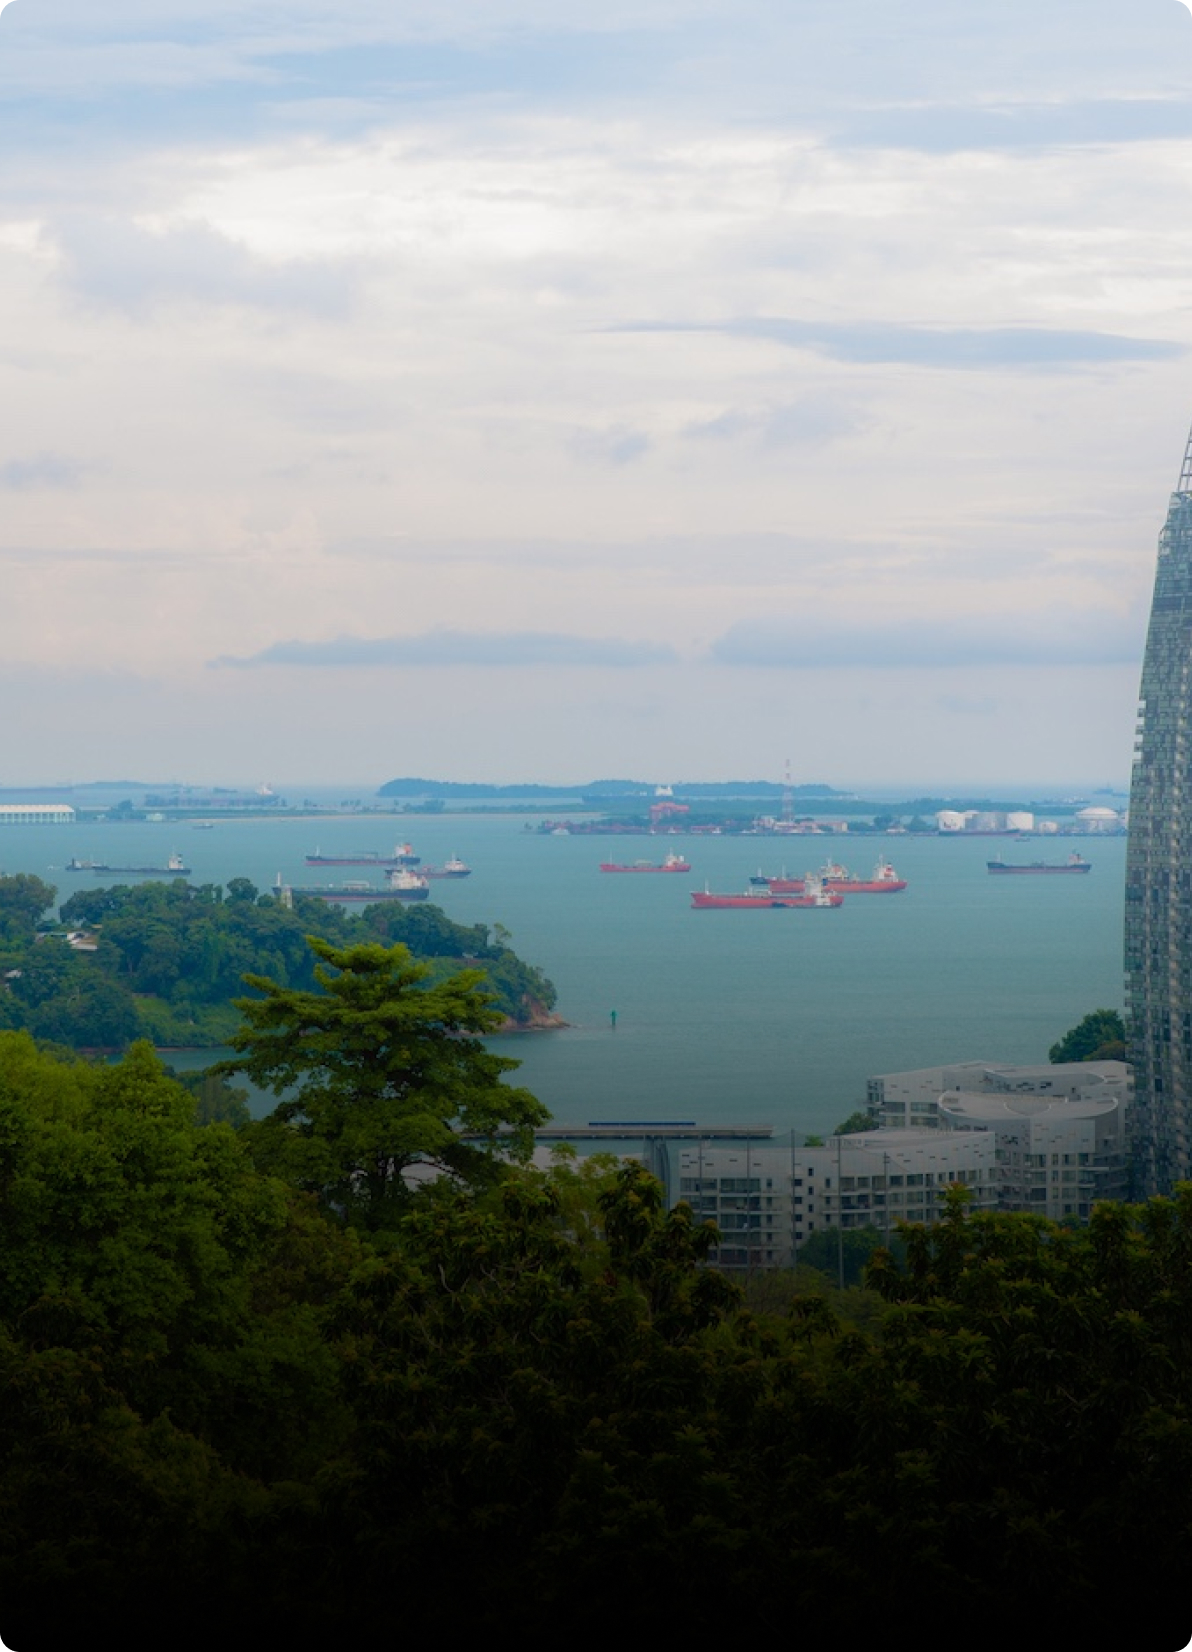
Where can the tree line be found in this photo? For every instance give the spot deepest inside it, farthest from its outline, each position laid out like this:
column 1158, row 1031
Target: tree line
column 359, row 1369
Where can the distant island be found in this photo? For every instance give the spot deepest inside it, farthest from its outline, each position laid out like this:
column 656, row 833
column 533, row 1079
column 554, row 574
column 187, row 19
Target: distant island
column 605, row 789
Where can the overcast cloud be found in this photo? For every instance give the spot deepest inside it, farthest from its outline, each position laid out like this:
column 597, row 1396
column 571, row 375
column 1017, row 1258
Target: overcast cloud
column 459, row 648
column 662, row 381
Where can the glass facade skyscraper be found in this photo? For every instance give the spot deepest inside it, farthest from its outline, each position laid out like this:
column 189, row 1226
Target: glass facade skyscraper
column 1159, row 869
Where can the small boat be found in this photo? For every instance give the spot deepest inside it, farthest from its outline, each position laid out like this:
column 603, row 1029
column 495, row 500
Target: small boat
column 672, row 863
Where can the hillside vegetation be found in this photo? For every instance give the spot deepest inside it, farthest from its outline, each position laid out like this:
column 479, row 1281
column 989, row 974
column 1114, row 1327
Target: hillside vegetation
column 169, row 960
column 259, row 1403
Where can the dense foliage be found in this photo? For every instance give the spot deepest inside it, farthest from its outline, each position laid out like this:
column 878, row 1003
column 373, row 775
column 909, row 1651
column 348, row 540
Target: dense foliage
column 229, row 1414
column 166, row 961
column 1101, row 1036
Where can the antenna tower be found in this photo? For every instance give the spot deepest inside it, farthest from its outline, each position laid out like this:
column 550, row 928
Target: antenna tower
column 1186, row 469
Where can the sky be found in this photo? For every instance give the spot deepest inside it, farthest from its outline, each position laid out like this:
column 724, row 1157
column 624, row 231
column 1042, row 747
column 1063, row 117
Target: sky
column 489, row 390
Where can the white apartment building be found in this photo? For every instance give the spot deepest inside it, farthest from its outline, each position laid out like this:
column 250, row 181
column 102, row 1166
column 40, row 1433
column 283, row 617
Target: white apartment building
column 882, row 1177
column 746, row 1190
column 1056, row 1156
column 766, row 1200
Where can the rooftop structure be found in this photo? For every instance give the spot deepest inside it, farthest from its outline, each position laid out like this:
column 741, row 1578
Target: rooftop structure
column 910, row 1100
column 1056, row 1155
column 36, row 814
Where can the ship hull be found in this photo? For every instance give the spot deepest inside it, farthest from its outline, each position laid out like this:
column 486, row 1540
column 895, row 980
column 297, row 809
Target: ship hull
column 1000, row 870
column 380, row 863
column 137, row 871
column 839, row 886
column 364, row 897
column 702, row 901
column 608, row 866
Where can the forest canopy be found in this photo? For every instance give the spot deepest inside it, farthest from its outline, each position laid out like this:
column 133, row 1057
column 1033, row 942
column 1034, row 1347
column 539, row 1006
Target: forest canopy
column 231, row 1410
column 167, row 961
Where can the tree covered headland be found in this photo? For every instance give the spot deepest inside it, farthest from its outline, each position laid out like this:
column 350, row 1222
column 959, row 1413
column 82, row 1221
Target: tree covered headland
column 169, row 960
column 259, row 1388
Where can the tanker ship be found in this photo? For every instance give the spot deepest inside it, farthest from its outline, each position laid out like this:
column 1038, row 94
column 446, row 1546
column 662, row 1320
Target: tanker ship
column 838, row 880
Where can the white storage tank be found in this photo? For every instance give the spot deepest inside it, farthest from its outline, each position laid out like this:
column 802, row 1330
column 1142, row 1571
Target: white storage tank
column 1020, row 820
column 1098, row 819
column 948, row 820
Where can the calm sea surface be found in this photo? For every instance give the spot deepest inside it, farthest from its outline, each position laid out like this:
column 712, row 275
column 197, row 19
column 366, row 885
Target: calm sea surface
column 774, row 1016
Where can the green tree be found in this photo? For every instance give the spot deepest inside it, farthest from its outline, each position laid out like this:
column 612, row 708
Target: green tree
column 389, row 1075
column 822, row 1251
column 1101, row 1036
column 161, row 1358
column 856, row 1124
column 23, row 899
column 216, row 1102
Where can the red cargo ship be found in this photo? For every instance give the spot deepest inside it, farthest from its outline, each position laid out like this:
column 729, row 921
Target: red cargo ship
column 815, row 895
column 885, row 881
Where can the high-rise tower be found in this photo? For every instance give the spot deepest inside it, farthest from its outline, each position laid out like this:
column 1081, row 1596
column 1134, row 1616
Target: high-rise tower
column 1159, row 868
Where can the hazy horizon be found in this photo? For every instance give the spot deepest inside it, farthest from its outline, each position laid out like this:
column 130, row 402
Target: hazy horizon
column 368, row 789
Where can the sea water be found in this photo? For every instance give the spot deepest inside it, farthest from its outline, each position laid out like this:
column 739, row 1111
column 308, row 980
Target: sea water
column 775, row 1016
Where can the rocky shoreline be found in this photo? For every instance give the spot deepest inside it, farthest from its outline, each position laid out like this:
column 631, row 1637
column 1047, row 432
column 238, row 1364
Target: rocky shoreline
column 539, row 1019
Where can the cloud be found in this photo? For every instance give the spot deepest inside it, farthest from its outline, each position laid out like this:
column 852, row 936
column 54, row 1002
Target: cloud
column 44, row 470
column 968, row 705
column 809, row 422
column 875, row 343
column 118, row 263
column 1046, row 637
column 618, row 445
column 453, row 648
column 947, row 128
